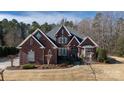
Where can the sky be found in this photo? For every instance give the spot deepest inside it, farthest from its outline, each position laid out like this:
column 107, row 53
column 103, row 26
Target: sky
column 46, row 16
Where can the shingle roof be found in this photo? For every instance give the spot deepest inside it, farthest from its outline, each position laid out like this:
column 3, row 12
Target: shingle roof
column 51, row 33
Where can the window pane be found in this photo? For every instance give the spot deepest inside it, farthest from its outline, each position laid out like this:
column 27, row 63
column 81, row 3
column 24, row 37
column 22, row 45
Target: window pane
column 65, row 52
column 31, row 56
column 59, row 52
column 38, row 35
column 62, row 40
column 65, row 40
column 62, row 51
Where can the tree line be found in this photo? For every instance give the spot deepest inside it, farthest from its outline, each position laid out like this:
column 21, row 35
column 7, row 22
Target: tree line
column 13, row 32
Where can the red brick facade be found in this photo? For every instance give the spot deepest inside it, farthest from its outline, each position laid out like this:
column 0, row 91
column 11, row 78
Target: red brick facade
column 34, row 47
column 58, row 34
column 42, row 45
column 88, row 42
column 73, row 45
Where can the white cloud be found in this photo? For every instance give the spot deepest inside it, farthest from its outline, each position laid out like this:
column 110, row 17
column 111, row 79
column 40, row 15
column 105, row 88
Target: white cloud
column 40, row 17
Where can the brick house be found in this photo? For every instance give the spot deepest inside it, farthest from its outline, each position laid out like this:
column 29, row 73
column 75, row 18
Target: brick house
column 61, row 42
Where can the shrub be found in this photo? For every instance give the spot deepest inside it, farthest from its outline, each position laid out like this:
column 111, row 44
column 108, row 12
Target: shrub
column 28, row 66
column 101, row 55
column 63, row 65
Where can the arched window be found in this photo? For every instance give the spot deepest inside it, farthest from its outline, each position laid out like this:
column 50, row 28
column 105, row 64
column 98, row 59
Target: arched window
column 31, row 56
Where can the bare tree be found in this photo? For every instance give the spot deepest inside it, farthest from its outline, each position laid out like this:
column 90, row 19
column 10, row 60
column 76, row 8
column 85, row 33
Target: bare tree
column 104, row 28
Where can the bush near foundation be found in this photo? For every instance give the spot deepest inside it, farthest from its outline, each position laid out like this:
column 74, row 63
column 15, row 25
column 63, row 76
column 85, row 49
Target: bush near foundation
column 28, row 66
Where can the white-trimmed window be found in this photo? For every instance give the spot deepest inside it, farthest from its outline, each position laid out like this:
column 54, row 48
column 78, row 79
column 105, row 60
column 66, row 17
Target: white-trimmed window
column 62, row 51
column 31, row 56
column 62, row 40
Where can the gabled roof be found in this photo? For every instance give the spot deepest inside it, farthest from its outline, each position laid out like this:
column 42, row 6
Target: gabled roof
column 73, row 32
column 30, row 36
column 69, row 34
column 73, row 39
column 45, row 36
column 51, row 37
column 90, row 40
column 19, row 46
column 38, row 42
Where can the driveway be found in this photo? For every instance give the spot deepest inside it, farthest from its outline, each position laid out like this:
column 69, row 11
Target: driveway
column 4, row 62
column 121, row 59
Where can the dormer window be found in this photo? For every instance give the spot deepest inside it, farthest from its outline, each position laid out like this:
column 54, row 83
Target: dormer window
column 38, row 35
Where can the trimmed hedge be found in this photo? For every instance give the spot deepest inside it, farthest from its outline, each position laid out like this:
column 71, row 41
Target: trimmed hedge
column 5, row 51
column 28, row 66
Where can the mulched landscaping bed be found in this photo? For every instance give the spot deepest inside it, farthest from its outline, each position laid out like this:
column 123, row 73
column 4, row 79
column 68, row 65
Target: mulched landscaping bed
column 45, row 66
